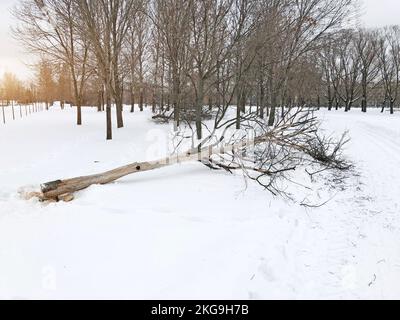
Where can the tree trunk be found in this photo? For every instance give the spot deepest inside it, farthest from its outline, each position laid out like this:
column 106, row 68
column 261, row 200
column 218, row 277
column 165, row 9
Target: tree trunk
column 12, row 107
column 272, row 114
column 141, row 100
column 168, row 103
column 364, row 102
column 99, row 101
column 262, row 102
column 4, row 114
column 64, row 189
column 199, row 109
column 79, row 109
column 176, row 101
column 119, row 110
column 118, row 100
column 132, row 101
column 243, row 102
column 108, row 115
column 154, row 105
column 238, row 115
column 348, row 106
column 79, row 113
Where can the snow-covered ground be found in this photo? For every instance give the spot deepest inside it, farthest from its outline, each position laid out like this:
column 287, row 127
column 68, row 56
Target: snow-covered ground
column 186, row 232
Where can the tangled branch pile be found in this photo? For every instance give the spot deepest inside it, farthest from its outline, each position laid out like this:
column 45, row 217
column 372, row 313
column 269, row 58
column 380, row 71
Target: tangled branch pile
column 295, row 142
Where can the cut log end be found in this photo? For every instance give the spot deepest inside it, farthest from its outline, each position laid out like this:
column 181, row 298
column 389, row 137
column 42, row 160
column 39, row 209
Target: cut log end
column 50, row 186
column 43, row 197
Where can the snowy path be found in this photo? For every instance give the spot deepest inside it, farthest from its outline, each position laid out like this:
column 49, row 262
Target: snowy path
column 148, row 237
column 371, row 226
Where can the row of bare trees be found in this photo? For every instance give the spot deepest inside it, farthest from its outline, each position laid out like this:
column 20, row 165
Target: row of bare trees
column 15, row 95
column 189, row 59
column 362, row 68
column 50, row 83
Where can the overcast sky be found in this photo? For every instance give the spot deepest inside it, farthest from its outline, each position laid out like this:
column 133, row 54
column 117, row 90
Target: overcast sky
column 376, row 13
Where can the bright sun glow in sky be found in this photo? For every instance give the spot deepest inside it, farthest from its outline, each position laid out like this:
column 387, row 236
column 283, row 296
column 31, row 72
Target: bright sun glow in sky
column 376, row 13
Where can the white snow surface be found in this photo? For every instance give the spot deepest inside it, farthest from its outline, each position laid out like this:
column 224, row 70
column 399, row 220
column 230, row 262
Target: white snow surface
column 186, row 232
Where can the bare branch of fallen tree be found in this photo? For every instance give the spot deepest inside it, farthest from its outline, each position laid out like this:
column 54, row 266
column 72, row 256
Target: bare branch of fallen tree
column 328, row 151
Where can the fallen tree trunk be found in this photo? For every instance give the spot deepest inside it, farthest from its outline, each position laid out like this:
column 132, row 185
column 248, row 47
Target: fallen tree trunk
column 63, row 190
column 296, row 132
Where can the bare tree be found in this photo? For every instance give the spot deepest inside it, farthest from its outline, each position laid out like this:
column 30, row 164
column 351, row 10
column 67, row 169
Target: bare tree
column 307, row 24
column 346, row 64
column 389, row 60
column 137, row 42
column 216, row 28
column 171, row 18
column 106, row 23
column 366, row 45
